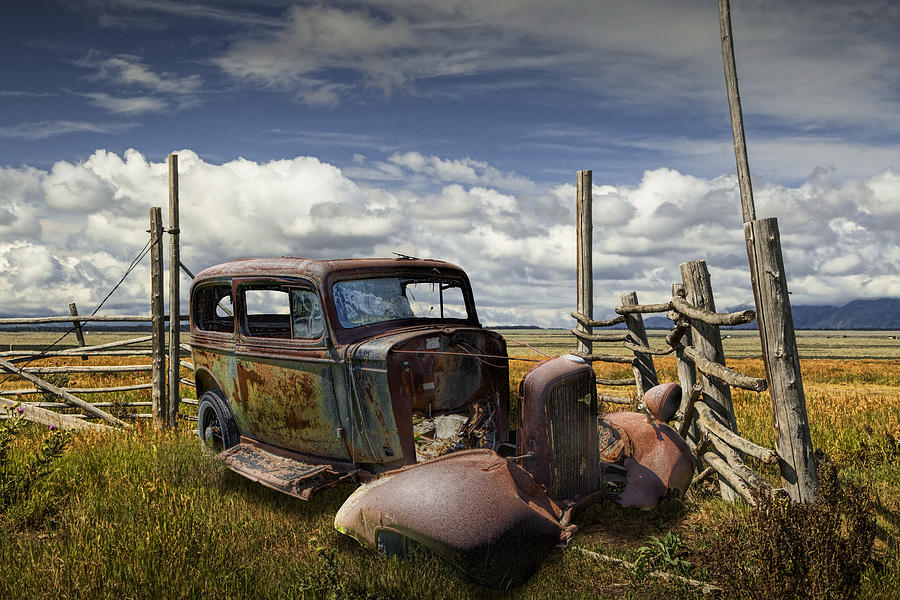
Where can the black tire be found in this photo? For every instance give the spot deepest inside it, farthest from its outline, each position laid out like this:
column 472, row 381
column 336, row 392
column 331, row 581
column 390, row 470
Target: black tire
column 215, row 424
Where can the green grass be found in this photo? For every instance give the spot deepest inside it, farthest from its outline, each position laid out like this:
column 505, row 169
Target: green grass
column 147, row 514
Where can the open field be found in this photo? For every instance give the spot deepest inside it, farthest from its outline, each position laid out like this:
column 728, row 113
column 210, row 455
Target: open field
column 147, row 514
column 738, row 343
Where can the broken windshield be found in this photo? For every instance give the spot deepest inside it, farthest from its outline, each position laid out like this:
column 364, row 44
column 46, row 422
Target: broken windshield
column 366, row 301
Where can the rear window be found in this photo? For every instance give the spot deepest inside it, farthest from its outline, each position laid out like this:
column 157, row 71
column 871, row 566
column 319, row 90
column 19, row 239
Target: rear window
column 366, row 301
column 213, row 309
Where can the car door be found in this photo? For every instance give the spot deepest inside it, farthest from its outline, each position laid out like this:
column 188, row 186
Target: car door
column 285, row 368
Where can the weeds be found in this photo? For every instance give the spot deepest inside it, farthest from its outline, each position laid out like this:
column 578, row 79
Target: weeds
column 20, row 496
column 664, row 553
column 805, row 550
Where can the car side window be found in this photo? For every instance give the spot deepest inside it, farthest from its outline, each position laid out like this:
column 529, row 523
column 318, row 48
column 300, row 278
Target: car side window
column 306, row 314
column 279, row 311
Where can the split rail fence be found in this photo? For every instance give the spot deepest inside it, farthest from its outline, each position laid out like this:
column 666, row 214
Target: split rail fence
column 166, row 355
column 706, row 415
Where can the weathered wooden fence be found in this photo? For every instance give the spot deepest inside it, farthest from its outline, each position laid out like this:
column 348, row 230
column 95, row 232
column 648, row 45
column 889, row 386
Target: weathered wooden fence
column 165, row 354
column 706, row 416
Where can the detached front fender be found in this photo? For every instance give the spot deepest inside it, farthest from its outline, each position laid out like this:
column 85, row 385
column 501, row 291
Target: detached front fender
column 656, row 458
column 477, row 510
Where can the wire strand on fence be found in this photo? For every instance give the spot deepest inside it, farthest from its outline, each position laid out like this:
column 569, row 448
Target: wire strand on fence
column 134, row 263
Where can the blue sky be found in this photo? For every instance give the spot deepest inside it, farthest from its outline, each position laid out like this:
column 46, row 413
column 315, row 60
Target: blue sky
column 449, row 129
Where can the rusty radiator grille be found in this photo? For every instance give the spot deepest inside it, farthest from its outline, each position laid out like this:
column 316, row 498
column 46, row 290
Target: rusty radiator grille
column 572, row 419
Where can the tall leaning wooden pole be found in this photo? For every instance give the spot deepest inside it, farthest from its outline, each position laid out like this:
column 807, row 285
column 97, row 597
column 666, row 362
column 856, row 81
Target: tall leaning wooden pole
column 585, row 248
column 773, row 307
column 174, row 297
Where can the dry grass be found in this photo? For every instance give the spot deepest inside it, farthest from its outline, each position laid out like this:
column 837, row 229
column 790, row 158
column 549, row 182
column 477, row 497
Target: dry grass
column 146, row 514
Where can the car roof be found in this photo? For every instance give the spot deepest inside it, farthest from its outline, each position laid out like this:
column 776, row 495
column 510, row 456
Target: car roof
column 320, row 270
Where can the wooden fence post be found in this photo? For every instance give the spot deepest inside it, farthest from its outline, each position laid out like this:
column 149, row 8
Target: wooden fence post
column 708, row 342
column 174, row 297
column 687, row 374
column 585, row 248
column 773, row 308
column 158, row 321
column 776, row 331
column 644, row 371
column 79, row 332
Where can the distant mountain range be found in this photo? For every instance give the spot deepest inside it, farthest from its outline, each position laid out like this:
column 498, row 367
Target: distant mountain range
column 883, row 313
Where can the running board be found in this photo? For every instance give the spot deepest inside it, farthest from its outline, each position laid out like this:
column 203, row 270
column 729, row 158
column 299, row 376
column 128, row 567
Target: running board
column 279, row 470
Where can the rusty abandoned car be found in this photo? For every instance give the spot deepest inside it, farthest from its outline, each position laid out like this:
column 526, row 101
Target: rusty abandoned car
column 310, row 373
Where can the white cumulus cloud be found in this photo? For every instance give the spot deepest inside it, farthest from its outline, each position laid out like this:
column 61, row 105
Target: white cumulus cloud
column 68, row 233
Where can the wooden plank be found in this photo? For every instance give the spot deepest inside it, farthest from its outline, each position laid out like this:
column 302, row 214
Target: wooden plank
column 97, row 404
column 711, row 424
column 584, row 267
column 90, row 390
column 728, row 478
column 748, row 210
column 583, row 320
column 83, row 319
column 47, row 417
column 638, row 348
column 630, row 309
column 644, row 371
column 707, row 340
column 174, row 294
column 69, row 319
column 713, row 318
column 107, row 345
column 708, row 589
column 89, row 369
column 614, row 382
column 748, row 475
column 156, row 310
column 687, row 413
column 779, row 347
column 17, row 356
column 623, row 360
column 600, row 337
column 614, row 399
column 723, row 373
column 86, row 406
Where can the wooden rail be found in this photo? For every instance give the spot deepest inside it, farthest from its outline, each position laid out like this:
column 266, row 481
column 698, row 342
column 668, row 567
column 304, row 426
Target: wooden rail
column 49, row 387
column 585, row 321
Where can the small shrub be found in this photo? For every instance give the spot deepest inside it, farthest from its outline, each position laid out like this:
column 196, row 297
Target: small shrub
column 60, row 380
column 663, row 554
column 19, row 480
column 781, row 549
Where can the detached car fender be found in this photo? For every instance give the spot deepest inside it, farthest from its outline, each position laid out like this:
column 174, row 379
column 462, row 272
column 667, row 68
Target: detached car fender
column 475, row 509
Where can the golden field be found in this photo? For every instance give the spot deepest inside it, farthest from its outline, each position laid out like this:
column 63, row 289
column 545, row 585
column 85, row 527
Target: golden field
column 146, row 514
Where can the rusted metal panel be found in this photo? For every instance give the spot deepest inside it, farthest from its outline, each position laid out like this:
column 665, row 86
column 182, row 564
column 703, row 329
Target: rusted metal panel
column 475, row 509
column 220, row 366
column 291, row 473
column 290, row 404
column 655, row 457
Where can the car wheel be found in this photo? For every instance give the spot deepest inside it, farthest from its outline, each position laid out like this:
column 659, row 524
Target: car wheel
column 215, row 424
